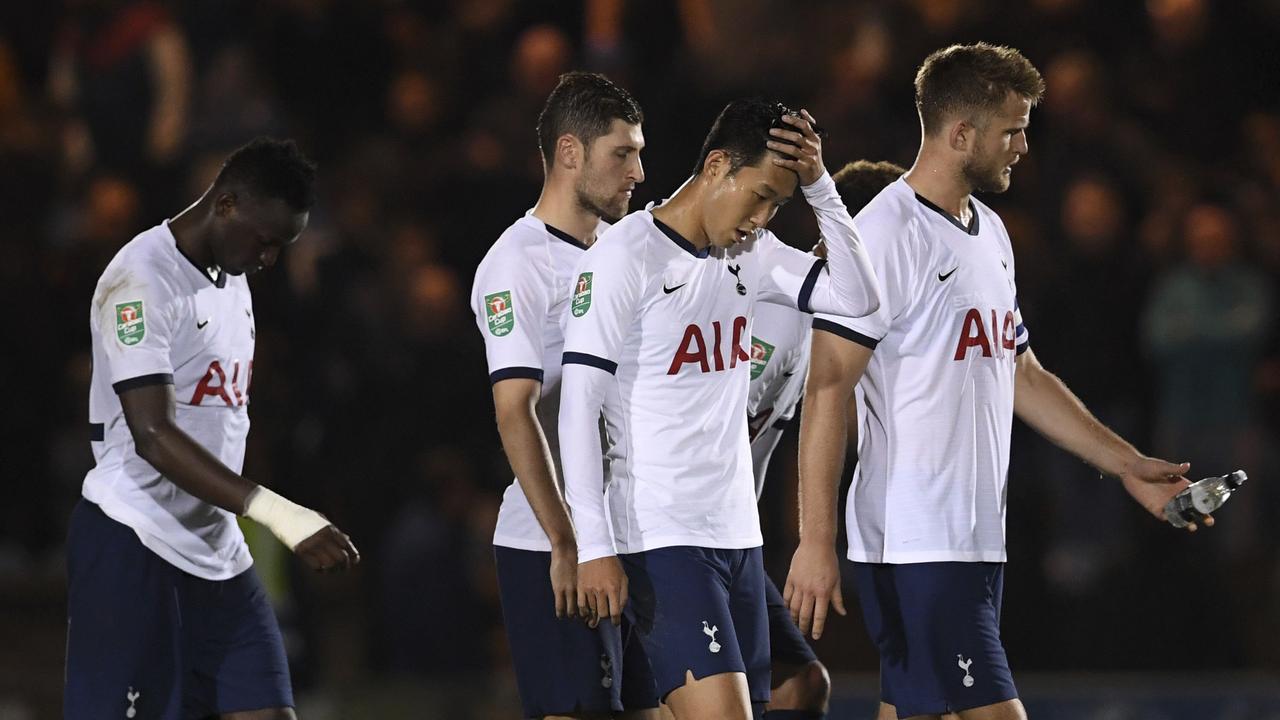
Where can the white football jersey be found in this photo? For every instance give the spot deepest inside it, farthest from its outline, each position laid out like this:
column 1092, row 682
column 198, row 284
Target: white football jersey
column 156, row 317
column 521, row 290
column 937, row 396
column 671, row 326
column 779, row 362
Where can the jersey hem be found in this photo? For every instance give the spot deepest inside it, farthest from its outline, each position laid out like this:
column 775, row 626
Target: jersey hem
column 901, row 558
column 124, row 515
column 662, row 541
column 519, row 543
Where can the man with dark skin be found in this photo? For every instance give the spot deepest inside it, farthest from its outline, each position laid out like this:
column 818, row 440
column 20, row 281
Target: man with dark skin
column 155, row 538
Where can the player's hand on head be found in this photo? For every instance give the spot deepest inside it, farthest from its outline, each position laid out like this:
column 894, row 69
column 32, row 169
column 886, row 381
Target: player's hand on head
column 812, row 584
column 1153, row 483
column 602, row 590
column 564, row 579
column 800, row 147
column 328, row 550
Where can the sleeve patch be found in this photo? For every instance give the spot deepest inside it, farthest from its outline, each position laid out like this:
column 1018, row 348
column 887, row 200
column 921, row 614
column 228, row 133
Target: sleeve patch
column 499, row 313
column 131, row 326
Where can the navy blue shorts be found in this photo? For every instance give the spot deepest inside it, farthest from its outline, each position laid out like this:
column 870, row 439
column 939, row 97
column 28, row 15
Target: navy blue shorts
column 937, row 626
column 146, row 640
column 700, row 610
column 787, row 644
column 562, row 666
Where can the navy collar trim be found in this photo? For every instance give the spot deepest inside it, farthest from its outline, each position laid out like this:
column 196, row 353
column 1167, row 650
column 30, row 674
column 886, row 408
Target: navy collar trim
column 678, row 239
column 973, row 221
column 221, row 282
column 565, row 236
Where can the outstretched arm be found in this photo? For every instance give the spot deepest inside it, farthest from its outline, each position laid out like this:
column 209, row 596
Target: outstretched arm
column 835, row 367
column 149, row 411
column 515, row 401
column 1046, row 404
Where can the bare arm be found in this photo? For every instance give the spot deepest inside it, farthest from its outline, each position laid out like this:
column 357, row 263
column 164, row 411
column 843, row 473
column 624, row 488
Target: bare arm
column 1046, row 404
column 515, row 401
column 835, row 367
column 149, row 411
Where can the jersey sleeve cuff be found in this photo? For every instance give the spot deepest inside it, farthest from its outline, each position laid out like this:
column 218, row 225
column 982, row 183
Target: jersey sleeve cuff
column 846, row 333
column 142, row 381
column 577, row 358
column 806, row 289
column 1024, row 347
column 587, row 553
column 509, row 373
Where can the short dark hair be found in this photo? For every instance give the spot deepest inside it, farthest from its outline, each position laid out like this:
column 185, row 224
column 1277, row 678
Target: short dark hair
column 972, row 78
column 583, row 105
column 860, row 181
column 741, row 131
column 271, row 168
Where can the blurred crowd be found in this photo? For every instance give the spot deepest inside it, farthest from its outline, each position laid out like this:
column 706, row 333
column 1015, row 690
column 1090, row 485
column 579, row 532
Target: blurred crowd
column 1146, row 221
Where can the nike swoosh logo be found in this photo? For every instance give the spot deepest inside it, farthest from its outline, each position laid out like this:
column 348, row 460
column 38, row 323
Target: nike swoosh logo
column 668, row 290
column 200, row 325
column 943, row 278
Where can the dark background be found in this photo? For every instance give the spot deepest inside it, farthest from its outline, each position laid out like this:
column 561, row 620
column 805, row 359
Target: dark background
column 1146, row 221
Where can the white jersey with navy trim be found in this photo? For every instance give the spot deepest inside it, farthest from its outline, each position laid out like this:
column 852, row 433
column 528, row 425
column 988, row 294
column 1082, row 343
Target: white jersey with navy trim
column 779, row 363
column 937, row 396
column 157, row 318
column 519, row 297
column 657, row 338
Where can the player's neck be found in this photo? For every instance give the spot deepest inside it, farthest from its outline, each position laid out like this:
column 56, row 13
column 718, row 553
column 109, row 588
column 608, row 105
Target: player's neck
column 189, row 232
column 940, row 184
column 561, row 211
column 682, row 212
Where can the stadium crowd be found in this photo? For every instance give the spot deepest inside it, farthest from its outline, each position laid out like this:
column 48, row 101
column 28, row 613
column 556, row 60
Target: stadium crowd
column 1146, row 221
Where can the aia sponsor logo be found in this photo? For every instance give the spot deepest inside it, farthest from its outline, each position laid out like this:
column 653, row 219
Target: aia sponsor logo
column 215, row 384
column 694, row 349
column 991, row 340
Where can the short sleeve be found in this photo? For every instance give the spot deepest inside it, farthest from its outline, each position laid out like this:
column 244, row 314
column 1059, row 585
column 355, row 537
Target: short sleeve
column 607, row 289
column 510, row 299
column 789, row 275
column 893, row 259
column 135, row 318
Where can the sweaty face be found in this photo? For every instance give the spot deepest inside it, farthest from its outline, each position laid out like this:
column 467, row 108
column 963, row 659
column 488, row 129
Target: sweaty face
column 1000, row 142
column 740, row 202
column 611, row 171
column 251, row 232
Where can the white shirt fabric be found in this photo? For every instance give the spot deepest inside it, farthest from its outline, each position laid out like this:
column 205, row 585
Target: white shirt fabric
column 158, row 318
column 937, row 396
column 658, row 336
column 520, row 294
column 779, row 363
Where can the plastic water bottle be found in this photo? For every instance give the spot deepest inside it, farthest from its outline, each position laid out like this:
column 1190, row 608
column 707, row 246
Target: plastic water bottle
column 1202, row 498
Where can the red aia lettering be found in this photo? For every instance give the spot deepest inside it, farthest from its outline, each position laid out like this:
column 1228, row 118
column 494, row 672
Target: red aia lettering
column 973, row 335
column 1009, row 333
column 693, row 348
column 207, row 387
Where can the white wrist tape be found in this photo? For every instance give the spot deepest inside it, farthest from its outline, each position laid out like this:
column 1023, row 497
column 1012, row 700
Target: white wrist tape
column 286, row 519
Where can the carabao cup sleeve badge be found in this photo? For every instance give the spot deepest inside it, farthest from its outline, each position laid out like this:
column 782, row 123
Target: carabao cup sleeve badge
column 499, row 313
column 131, row 327
column 581, row 295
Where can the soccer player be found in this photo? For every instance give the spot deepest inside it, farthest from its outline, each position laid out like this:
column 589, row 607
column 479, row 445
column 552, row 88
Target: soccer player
column 801, row 687
column 656, row 337
column 166, row 616
column 590, row 138
column 944, row 364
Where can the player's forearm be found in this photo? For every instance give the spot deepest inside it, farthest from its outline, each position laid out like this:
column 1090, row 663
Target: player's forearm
column 187, row 464
column 1045, row 403
column 530, row 458
column 581, row 397
column 823, row 428
column 849, row 288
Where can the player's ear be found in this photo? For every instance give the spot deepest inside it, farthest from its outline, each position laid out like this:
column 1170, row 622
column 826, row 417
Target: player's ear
column 224, row 203
column 961, row 135
column 569, row 152
column 717, row 164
